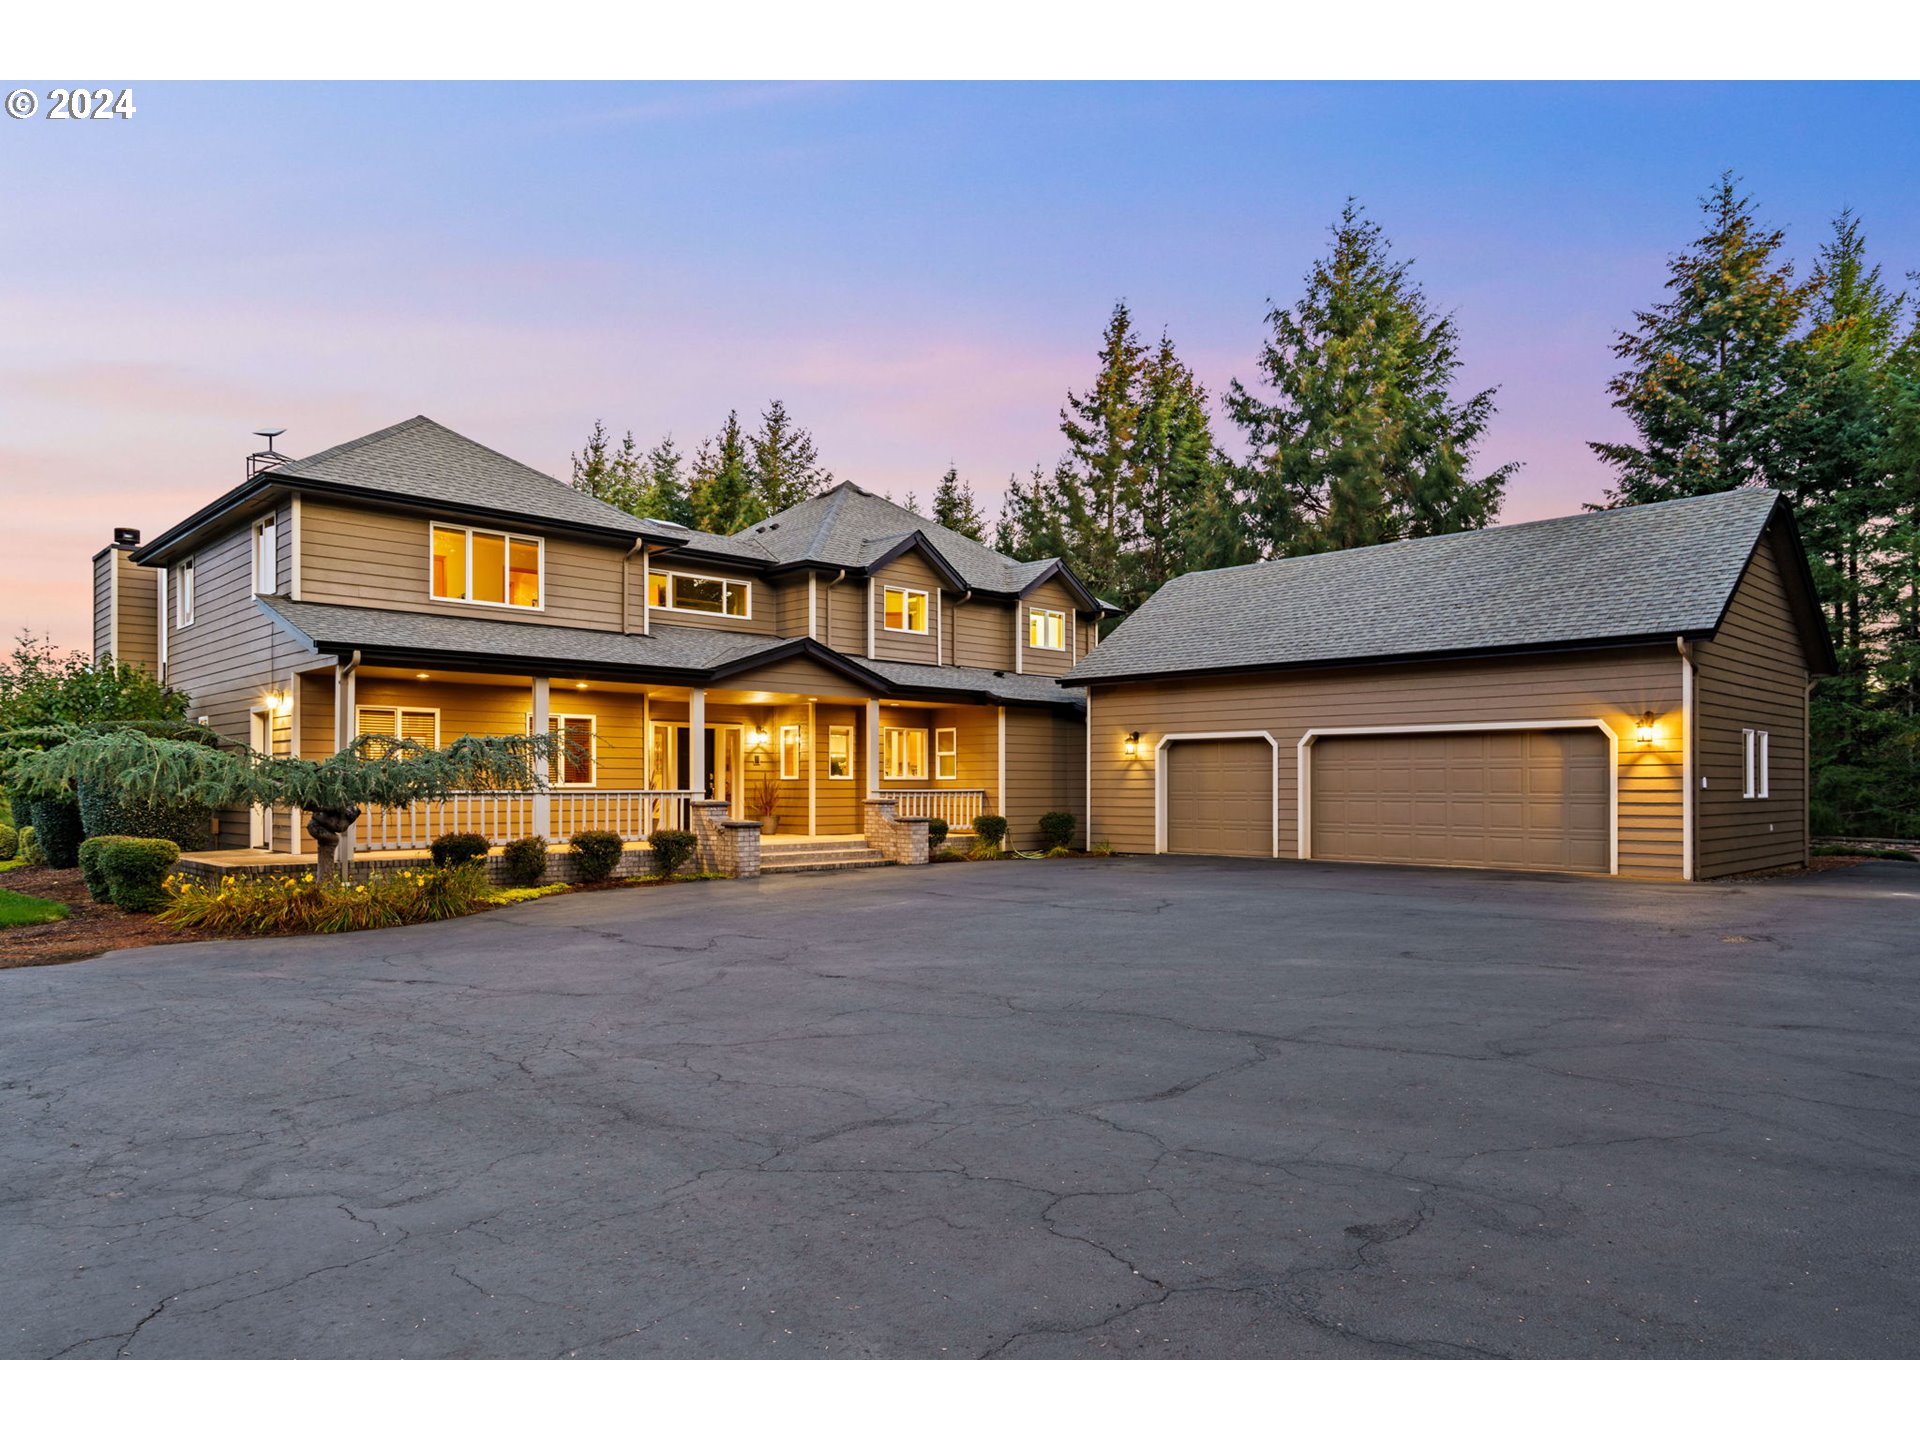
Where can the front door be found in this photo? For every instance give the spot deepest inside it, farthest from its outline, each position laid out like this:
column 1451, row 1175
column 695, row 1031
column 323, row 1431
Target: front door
column 259, row 819
column 722, row 778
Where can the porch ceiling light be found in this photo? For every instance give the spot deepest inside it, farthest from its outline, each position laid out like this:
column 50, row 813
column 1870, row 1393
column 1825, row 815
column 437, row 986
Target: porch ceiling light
column 422, row 676
column 579, row 684
column 1643, row 731
column 1133, row 743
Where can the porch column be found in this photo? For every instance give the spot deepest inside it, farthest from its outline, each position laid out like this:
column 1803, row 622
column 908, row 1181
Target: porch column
column 697, row 742
column 873, row 747
column 813, row 773
column 345, row 731
column 542, row 802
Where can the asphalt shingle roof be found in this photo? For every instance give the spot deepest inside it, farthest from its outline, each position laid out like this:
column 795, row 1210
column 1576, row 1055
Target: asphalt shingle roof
column 962, row 679
column 1648, row 570
column 420, row 459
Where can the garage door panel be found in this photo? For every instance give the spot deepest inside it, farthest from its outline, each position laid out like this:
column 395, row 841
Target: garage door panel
column 1526, row 799
column 1219, row 797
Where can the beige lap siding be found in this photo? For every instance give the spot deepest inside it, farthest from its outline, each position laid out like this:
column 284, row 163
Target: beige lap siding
column 1615, row 686
column 1046, row 770
column 980, row 634
column 909, row 572
column 1034, row 661
column 1752, row 675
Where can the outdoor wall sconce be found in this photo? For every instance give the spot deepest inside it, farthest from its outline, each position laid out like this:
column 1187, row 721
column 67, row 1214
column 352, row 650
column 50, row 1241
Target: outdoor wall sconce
column 757, row 737
column 280, row 702
column 1133, row 743
column 1643, row 731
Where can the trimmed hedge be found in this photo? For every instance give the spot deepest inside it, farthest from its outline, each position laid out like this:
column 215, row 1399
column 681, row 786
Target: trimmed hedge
column 671, row 850
column 18, row 806
column 936, row 833
column 9, row 841
column 30, row 850
column 136, row 871
column 56, row 826
column 114, row 812
column 595, row 855
column 990, row 829
column 525, row 861
column 459, row 847
column 90, row 870
column 1056, row 830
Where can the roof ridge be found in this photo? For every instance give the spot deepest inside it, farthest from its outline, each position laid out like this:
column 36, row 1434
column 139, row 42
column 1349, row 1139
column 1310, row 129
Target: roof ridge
column 347, row 447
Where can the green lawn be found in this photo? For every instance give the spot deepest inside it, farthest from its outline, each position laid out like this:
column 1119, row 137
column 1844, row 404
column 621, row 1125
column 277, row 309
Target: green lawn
column 17, row 909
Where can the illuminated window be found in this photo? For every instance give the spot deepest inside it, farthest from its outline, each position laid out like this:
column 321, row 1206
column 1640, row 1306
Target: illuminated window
column 905, row 609
column 1047, row 629
column 398, row 722
column 789, row 752
column 700, row 594
column 1757, row 766
column 183, row 594
column 266, row 558
column 573, row 764
column 946, row 754
column 840, row 752
column 903, row 754
column 486, row 567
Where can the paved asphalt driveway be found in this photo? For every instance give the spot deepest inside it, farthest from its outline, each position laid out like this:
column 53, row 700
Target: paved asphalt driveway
column 1078, row 1108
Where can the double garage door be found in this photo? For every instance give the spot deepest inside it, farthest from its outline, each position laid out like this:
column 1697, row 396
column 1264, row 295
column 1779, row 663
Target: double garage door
column 1520, row 799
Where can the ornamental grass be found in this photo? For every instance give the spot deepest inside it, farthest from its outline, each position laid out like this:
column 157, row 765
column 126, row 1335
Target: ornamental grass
column 286, row 905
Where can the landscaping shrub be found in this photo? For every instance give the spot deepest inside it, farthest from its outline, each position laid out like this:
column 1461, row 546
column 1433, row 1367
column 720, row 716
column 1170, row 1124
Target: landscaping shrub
column 136, row 871
column 105, row 811
column 595, row 854
column 1102, row 848
column 989, row 830
column 1056, row 830
column 936, row 833
column 460, row 847
column 985, row 850
column 1058, row 852
column 9, row 841
column 18, row 810
column 671, row 850
column 90, row 870
column 268, row 904
column 56, row 826
column 525, row 860
column 30, row 850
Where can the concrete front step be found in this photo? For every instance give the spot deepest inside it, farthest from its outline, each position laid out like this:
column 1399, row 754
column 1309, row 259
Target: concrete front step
column 819, row 857
column 802, row 867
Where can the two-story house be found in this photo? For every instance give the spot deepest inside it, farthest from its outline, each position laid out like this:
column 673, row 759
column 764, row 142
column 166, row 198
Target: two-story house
column 413, row 582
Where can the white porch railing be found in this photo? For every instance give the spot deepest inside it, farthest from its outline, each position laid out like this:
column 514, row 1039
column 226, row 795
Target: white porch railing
column 503, row 815
column 959, row 808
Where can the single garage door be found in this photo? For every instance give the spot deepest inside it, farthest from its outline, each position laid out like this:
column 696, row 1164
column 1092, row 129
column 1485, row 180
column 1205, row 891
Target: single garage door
column 1520, row 799
column 1220, row 797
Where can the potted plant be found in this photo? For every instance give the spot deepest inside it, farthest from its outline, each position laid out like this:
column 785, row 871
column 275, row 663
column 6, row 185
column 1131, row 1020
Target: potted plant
column 764, row 800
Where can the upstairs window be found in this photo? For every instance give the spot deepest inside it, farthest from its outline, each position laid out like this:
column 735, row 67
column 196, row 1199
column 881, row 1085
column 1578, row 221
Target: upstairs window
column 487, row 567
column 1757, row 766
column 183, row 594
column 700, row 594
column 903, row 754
column 266, row 558
column 1046, row 629
column 905, row 609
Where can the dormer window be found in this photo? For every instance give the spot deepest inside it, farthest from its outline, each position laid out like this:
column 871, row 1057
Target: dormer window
column 487, row 567
column 905, row 609
column 1046, row 629
column 700, row 594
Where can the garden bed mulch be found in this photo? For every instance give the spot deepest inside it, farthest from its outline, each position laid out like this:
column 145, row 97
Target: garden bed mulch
column 90, row 930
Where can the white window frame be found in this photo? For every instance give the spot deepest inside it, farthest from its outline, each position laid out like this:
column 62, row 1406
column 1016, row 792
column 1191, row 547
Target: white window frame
column 183, row 594
column 360, row 722
column 906, row 592
column 1059, row 617
column 1758, row 768
column 834, row 732
column 946, row 753
column 266, row 556
column 888, row 771
column 507, row 538
column 670, row 577
column 798, row 751
column 556, row 724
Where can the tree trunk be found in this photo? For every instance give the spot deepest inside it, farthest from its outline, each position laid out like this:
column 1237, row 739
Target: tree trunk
column 326, row 827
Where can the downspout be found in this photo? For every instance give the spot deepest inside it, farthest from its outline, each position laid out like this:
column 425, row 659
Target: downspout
column 626, row 586
column 828, row 641
column 940, row 649
column 1686, row 756
column 1806, row 771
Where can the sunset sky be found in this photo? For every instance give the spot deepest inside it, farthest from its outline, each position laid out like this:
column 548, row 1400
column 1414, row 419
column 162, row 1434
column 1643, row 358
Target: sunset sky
column 920, row 272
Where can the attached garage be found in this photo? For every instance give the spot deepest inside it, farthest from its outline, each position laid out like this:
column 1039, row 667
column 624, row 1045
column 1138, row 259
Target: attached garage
column 1219, row 796
column 1622, row 692
column 1512, row 799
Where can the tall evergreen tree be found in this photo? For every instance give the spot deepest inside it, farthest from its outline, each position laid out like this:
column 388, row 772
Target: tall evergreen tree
column 724, row 497
column 1363, row 440
column 1029, row 526
column 1172, row 477
column 1098, row 488
column 955, row 507
column 785, row 467
column 663, row 484
column 593, row 465
column 1707, row 369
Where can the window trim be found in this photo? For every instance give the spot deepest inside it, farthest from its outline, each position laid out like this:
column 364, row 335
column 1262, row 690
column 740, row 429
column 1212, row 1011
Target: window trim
column 1757, row 765
column 359, row 726
column 886, row 731
column 183, row 594
column 265, row 526
column 926, row 610
column 833, row 733
column 507, row 537
column 1035, row 612
column 781, row 740
column 670, row 576
column 557, row 719
column 946, row 748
